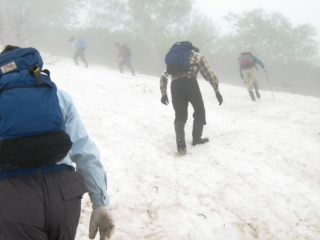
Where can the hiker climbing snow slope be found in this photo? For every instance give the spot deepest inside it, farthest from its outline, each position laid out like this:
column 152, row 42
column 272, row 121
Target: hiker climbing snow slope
column 248, row 72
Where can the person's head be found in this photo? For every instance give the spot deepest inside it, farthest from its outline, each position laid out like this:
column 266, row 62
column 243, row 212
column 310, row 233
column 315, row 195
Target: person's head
column 9, row 48
column 117, row 44
column 245, row 50
column 71, row 39
column 195, row 49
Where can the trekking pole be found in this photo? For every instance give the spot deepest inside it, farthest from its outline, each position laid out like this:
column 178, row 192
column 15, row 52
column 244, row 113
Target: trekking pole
column 270, row 85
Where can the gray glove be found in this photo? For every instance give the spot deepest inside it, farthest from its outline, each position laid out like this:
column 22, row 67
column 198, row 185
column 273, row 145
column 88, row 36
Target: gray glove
column 101, row 218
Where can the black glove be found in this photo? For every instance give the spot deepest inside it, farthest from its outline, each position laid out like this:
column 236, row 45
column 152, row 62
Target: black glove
column 219, row 97
column 164, row 99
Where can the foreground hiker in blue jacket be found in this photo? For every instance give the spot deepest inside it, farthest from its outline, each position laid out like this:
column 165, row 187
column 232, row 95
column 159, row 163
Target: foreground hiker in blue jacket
column 45, row 202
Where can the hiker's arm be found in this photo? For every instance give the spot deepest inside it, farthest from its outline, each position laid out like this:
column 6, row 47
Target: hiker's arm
column 259, row 61
column 85, row 154
column 164, row 83
column 76, row 45
column 121, row 52
column 208, row 74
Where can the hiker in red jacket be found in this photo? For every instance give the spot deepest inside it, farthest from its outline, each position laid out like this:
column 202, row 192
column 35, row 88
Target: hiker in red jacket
column 248, row 70
column 125, row 54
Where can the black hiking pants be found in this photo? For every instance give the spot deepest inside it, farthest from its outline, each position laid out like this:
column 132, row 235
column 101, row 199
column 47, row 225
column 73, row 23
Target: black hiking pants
column 125, row 61
column 42, row 206
column 80, row 53
column 183, row 91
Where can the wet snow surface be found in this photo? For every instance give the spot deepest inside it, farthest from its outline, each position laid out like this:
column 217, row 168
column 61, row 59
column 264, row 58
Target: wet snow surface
column 257, row 178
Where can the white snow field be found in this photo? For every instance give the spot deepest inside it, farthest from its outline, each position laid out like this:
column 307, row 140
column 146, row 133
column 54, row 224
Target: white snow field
column 257, row 179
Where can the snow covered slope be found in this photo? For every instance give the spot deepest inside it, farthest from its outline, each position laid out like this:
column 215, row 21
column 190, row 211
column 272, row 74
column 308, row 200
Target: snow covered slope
column 257, row 178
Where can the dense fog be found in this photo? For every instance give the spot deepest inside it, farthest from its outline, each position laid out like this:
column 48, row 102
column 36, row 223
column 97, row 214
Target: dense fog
column 290, row 53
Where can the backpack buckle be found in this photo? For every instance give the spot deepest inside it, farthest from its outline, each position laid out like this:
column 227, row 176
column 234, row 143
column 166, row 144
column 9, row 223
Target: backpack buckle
column 36, row 71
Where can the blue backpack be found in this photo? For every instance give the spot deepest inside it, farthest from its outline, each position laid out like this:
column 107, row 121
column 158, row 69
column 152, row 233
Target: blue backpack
column 82, row 43
column 31, row 122
column 177, row 59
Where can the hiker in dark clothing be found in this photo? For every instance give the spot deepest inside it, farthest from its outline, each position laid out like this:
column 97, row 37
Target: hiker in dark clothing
column 125, row 53
column 248, row 71
column 80, row 47
column 185, row 89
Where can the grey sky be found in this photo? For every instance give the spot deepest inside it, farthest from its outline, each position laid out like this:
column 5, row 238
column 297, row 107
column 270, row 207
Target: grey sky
column 298, row 11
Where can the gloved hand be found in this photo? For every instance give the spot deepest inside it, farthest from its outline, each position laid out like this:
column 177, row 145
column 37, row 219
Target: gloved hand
column 164, row 99
column 219, row 97
column 102, row 219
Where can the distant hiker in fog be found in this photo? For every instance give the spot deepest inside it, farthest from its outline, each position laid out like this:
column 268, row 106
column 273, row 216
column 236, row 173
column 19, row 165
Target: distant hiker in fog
column 80, row 46
column 184, row 61
column 125, row 53
column 248, row 70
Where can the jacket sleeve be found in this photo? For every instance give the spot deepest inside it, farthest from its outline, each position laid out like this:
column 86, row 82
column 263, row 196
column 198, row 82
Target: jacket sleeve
column 258, row 61
column 121, row 51
column 76, row 44
column 84, row 153
column 164, row 83
column 207, row 72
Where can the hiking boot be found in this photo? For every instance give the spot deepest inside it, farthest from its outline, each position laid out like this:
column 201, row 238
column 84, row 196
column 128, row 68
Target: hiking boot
column 256, row 88
column 197, row 133
column 199, row 141
column 252, row 95
column 257, row 94
column 181, row 143
column 76, row 61
column 181, row 146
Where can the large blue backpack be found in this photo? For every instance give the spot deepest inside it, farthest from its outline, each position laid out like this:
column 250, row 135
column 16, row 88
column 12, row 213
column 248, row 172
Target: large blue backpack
column 31, row 123
column 177, row 59
column 82, row 44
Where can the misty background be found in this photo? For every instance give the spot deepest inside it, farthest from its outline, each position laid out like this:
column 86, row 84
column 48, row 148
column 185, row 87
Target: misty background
column 150, row 27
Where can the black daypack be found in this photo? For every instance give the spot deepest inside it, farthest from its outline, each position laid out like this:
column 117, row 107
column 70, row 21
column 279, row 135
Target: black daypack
column 177, row 59
column 31, row 122
column 127, row 50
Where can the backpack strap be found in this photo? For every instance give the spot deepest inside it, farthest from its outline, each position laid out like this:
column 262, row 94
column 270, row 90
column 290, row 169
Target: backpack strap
column 46, row 71
column 35, row 70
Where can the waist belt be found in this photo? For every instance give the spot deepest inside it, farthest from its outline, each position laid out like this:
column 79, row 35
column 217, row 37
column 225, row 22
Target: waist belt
column 19, row 172
column 183, row 75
